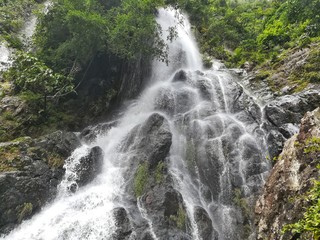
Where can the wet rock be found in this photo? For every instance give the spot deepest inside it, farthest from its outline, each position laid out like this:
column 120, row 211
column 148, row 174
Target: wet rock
column 289, row 179
column 155, row 139
column 204, row 224
column 30, row 174
column 165, row 208
column 291, row 108
column 184, row 100
column 133, row 77
column 205, row 89
column 275, row 141
column 89, row 134
column 209, row 166
column 59, row 142
column 89, row 166
column 165, row 102
column 180, row 76
column 171, row 203
column 284, row 114
column 123, row 224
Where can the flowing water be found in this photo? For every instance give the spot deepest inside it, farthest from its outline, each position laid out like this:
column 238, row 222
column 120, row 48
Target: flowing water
column 25, row 35
column 217, row 156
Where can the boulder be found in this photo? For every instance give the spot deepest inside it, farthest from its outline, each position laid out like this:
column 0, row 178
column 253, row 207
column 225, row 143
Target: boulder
column 89, row 166
column 123, row 224
column 155, row 140
column 204, row 224
column 180, row 76
column 89, row 134
column 30, row 171
column 60, row 142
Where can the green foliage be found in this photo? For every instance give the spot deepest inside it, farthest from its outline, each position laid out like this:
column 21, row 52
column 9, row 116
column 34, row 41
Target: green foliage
column 159, row 172
column 12, row 16
column 241, row 203
column 25, row 211
column 310, row 223
column 141, row 179
column 76, row 31
column 253, row 30
column 133, row 30
column 28, row 73
column 55, row 160
column 312, row 145
column 180, row 219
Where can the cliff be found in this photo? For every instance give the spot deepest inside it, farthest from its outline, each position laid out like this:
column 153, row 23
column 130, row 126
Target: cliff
column 284, row 196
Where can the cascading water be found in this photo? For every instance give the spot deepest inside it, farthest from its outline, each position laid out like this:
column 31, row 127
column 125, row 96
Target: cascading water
column 25, row 35
column 215, row 164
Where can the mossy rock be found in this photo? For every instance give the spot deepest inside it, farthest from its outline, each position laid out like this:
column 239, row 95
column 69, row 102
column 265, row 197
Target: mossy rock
column 24, row 211
column 141, row 179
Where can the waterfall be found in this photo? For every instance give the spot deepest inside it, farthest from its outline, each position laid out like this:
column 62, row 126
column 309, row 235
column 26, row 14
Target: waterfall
column 216, row 163
column 25, row 35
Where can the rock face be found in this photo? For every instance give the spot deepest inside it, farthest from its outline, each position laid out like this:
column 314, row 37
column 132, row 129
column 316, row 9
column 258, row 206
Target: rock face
column 132, row 79
column 151, row 141
column 281, row 202
column 124, row 228
column 204, row 224
column 158, row 208
column 89, row 134
column 89, row 166
column 284, row 114
column 30, row 171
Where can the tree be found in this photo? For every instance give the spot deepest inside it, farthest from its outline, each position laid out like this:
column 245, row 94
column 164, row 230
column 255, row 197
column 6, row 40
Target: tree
column 30, row 74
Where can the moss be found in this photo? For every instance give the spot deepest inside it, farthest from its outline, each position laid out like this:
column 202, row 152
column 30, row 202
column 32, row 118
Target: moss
column 247, row 231
column 8, row 115
column 241, row 203
column 190, row 154
column 9, row 158
column 24, row 211
column 159, row 172
column 55, row 160
column 4, row 167
column 263, row 74
column 22, row 139
column 141, row 179
column 312, row 145
column 180, row 219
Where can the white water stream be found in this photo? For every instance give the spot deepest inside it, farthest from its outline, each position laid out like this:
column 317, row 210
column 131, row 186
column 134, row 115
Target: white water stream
column 215, row 148
column 25, row 35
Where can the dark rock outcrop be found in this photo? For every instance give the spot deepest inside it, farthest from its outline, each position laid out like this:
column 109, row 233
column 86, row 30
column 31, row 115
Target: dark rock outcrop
column 151, row 141
column 180, row 76
column 30, row 171
column 284, row 114
column 165, row 208
column 89, row 166
column 281, row 202
column 133, row 77
column 89, row 134
column 204, row 224
column 123, row 225
column 157, row 202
